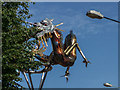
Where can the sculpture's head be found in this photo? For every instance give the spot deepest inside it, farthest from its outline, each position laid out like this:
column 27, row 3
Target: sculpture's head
column 46, row 27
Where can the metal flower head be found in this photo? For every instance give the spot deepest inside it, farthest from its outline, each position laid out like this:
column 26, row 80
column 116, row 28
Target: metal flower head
column 46, row 26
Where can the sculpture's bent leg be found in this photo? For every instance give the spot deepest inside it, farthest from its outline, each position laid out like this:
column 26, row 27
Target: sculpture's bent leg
column 68, row 50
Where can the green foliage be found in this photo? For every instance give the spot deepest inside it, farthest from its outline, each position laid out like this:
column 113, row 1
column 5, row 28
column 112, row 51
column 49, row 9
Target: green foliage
column 16, row 53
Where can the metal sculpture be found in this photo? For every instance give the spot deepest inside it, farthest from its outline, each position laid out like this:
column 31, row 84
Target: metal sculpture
column 63, row 54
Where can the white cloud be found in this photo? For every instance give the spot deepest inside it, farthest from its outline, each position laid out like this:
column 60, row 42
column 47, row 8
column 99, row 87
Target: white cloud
column 78, row 22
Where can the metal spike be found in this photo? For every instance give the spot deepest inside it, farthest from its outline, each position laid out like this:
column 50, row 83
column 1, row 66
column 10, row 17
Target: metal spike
column 59, row 24
column 47, row 35
column 41, row 50
column 45, row 40
column 42, row 42
column 50, row 35
column 59, row 29
column 57, row 35
column 39, row 43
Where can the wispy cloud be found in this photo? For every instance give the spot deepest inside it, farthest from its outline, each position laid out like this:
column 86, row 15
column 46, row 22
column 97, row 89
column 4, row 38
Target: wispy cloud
column 73, row 20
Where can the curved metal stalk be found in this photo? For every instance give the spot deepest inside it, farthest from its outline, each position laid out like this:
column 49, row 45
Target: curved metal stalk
column 112, row 19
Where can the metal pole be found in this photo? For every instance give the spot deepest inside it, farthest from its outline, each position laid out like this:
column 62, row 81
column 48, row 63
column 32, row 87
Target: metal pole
column 26, row 80
column 43, row 79
column 112, row 19
column 31, row 80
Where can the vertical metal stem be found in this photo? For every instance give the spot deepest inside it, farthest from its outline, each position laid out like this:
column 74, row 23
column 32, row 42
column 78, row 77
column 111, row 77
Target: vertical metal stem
column 26, row 80
column 43, row 74
column 43, row 79
column 31, row 81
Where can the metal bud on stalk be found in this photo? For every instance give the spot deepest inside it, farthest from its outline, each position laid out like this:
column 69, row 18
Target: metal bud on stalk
column 107, row 85
column 94, row 14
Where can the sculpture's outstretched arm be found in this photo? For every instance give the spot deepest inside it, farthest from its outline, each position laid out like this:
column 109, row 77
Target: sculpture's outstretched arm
column 85, row 59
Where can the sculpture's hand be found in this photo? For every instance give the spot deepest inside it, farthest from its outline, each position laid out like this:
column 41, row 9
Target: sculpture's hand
column 86, row 62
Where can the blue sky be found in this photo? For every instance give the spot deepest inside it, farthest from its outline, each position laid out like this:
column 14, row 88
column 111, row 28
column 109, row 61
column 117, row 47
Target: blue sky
column 98, row 40
column 75, row 0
